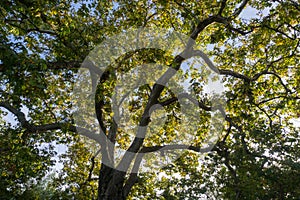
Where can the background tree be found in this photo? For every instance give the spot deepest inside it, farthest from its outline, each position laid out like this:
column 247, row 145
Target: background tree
column 254, row 45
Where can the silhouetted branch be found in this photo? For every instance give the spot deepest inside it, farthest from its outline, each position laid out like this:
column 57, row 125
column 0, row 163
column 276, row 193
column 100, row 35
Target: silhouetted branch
column 48, row 127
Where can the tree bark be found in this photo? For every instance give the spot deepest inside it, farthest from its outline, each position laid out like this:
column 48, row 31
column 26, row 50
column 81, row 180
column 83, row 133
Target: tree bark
column 111, row 184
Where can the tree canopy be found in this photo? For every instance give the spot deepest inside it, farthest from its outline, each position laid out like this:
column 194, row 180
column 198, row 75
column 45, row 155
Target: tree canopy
column 49, row 48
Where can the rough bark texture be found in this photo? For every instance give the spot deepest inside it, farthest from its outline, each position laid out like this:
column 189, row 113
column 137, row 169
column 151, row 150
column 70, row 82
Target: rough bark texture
column 111, row 184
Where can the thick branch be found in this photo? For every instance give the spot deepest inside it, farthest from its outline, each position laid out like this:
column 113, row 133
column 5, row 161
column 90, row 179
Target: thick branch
column 48, row 127
column 206, row 59
column 20, row 115
column 36, row 29
column 234, row 74
column 239, row 9
column 133, row 177
column 50, row 32
column 200, row 27
column 175, row 147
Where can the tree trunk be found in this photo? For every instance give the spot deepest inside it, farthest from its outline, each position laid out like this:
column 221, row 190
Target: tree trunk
column 111, row 184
